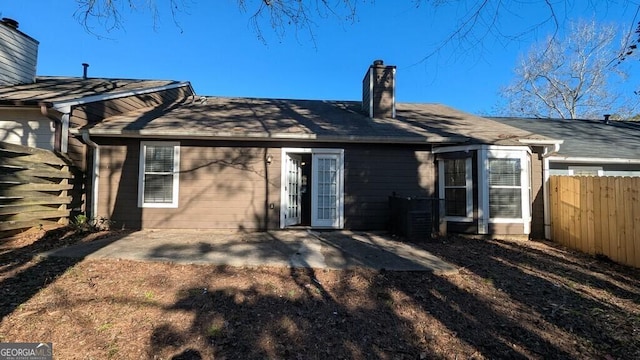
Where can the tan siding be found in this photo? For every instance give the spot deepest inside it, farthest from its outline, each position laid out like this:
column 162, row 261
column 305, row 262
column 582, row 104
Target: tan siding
column 220, row 187
column 226, row 187
column 506, row 229
column 77, row 150
column 374, row 174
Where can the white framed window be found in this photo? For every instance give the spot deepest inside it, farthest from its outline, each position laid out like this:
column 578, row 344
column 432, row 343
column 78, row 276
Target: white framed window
column 159, row 174
column 509, row 186
column 505, row 188
column 457, row 188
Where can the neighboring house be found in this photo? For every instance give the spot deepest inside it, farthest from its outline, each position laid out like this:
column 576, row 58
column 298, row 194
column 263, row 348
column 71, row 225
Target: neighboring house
column 39, row 111
column 242, row 163
column 590, row 148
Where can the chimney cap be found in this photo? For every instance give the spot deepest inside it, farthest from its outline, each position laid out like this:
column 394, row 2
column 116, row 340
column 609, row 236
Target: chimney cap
column 10, row 22
column 378, row 62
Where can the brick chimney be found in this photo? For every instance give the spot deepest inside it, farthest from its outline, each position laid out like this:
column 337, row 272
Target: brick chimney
column 379, row 91
column 21, row 50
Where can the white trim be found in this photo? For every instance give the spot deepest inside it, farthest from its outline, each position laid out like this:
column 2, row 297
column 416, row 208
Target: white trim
column 371, row 92
column 176, row 174
column 525, row 201
column 285, row 173
column 284, row 200
column 64, row 133
column 228, row 136
column 468, row 190
column 95, row 175
column 393, row 94
column 483, row 191
column 467, row 148
column 283, row 176
column 570, row 159
column 545, row 198
column 115, row 95
column 541, row 142
column 338, row 155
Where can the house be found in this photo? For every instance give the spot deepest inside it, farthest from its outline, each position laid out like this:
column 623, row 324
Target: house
column 590, row 148
column 245, row 163
column 39, row 111
column 155, row 155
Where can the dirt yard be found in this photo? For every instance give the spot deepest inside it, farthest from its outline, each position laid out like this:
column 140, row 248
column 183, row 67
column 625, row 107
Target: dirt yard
column 514, row 300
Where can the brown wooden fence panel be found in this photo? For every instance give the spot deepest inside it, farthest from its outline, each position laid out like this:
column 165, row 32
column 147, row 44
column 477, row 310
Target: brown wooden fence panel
column 597, row 215
column 34, row 187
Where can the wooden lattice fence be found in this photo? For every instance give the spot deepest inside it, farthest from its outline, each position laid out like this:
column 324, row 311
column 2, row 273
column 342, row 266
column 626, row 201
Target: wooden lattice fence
column 34, row 188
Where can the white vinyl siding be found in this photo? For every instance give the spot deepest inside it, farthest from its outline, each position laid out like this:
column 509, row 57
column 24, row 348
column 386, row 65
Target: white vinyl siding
column 159, row 174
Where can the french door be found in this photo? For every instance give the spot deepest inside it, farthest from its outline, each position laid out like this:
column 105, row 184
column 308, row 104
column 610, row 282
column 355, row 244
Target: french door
column 327, row 184
column 326, row 190
column 292, row 189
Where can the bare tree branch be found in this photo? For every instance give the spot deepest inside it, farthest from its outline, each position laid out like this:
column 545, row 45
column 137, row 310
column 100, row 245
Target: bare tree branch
column 568, row 77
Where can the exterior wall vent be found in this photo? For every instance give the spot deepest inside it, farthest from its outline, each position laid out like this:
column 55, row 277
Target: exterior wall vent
column 85, row 67
column 379, row 91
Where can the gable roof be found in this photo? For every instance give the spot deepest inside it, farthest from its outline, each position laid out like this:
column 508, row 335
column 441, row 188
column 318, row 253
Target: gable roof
column 313, row 120
column 584, row 140
column 67, row 91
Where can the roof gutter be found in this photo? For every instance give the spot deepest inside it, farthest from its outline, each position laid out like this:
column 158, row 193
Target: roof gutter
column 227, row 136
column 95, row 174
column 575, row 159
column 551, row 146
column 116, row 95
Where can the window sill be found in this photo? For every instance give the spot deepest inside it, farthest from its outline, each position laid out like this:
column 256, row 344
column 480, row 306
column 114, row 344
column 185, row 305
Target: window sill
column 458, row 219
column 161, row 206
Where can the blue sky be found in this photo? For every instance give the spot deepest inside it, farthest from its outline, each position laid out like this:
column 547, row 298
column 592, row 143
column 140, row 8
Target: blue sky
column 217, row 50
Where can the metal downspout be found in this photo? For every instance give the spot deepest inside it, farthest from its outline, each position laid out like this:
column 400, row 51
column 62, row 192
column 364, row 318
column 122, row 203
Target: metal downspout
column 545, row 188
column 62, row 144
column 95, row 174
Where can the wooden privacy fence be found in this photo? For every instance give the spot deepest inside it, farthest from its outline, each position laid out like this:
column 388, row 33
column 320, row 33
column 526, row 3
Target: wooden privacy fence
column 597, row 215
column 34, row 186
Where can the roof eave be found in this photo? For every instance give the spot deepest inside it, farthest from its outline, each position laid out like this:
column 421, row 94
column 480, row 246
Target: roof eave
column 275, row 137
column 116, row 95
column 580, row 159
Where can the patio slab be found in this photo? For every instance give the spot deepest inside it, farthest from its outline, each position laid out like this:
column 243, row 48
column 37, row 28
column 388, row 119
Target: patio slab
column 291, row 248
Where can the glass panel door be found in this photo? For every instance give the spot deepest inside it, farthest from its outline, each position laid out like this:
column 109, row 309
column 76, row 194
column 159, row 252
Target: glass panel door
column 294, row 198
column 326, row 191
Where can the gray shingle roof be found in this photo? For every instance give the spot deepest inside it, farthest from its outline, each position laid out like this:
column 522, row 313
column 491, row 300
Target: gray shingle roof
column 55, row 89
column 250, row 118
column 586, row 138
